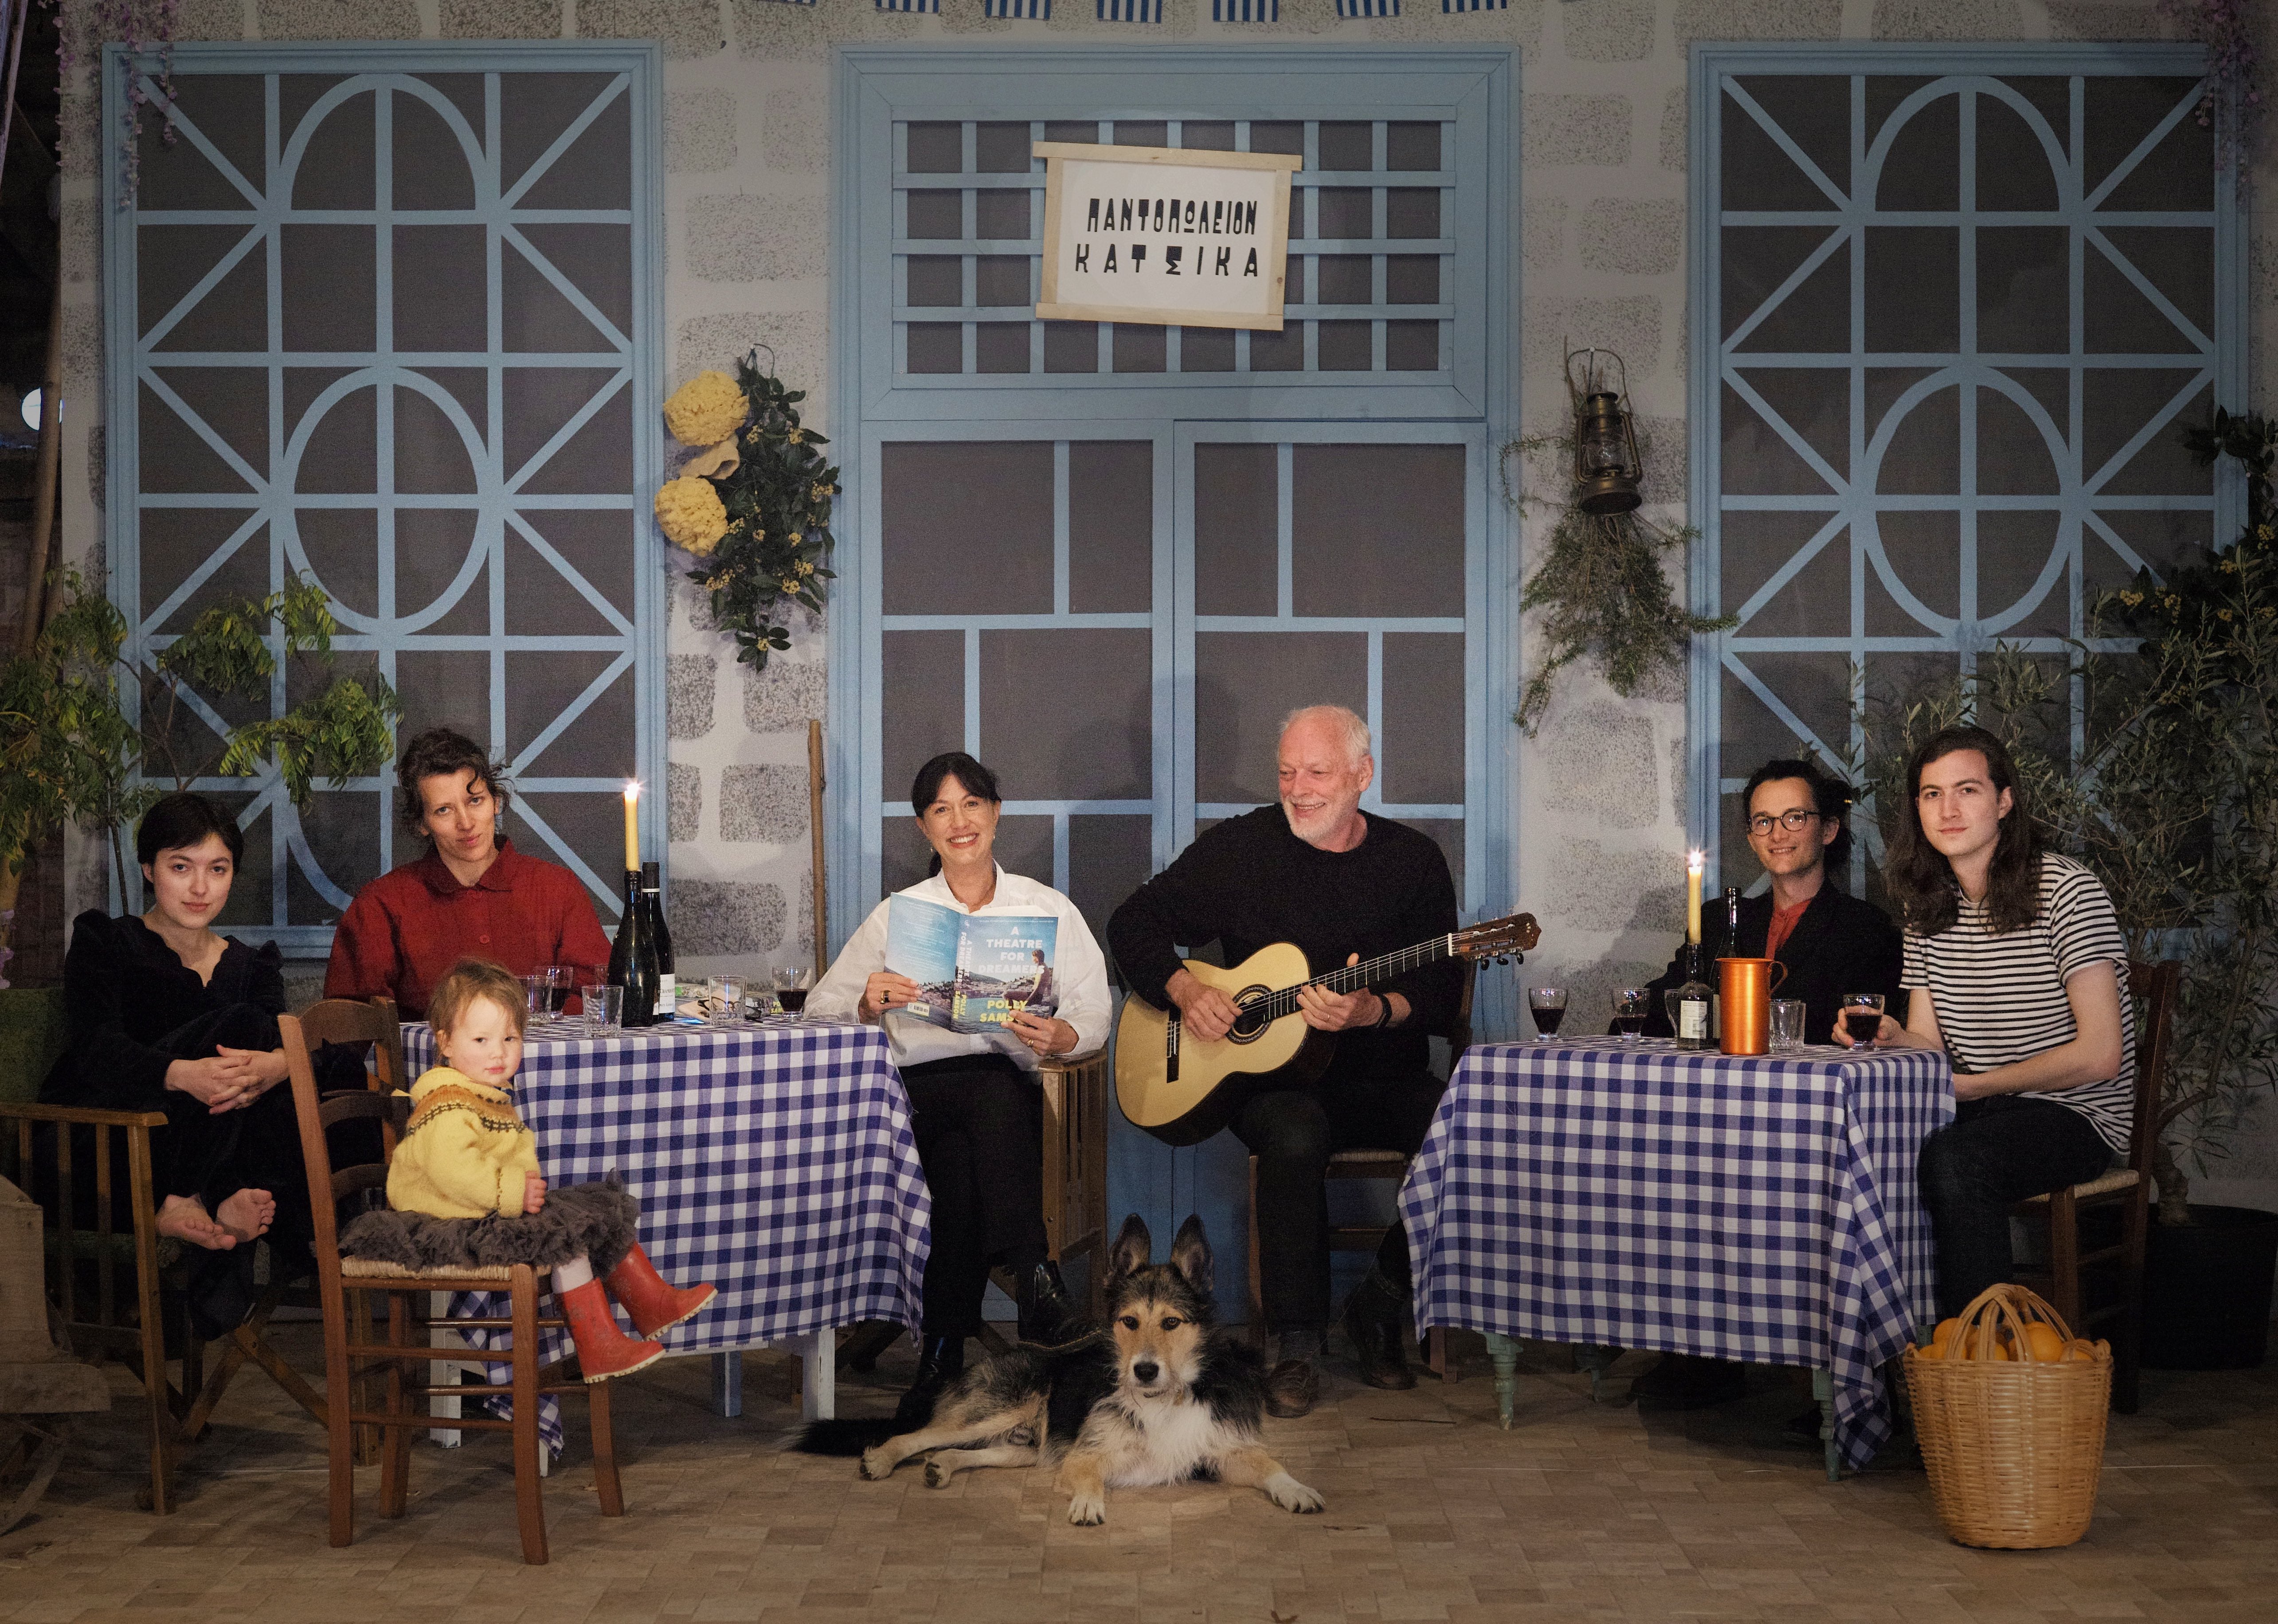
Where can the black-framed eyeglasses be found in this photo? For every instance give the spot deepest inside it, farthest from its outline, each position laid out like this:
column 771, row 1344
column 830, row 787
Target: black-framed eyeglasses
column 1792, row 820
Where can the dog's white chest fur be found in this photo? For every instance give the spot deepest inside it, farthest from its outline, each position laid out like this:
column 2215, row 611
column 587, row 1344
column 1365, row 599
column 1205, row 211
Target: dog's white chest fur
column 1158, row 1440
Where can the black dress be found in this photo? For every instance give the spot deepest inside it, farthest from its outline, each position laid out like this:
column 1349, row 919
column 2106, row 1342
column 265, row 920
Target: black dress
column 132, row 1008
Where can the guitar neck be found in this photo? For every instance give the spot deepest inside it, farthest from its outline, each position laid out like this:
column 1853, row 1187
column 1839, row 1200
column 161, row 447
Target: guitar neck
column 1352, row 977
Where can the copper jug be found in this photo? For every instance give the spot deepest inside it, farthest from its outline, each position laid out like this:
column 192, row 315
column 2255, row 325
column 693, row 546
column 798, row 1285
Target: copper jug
column 1745, row 996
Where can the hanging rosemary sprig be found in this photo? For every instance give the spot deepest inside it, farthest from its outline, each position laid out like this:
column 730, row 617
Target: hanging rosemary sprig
column 1603, row 593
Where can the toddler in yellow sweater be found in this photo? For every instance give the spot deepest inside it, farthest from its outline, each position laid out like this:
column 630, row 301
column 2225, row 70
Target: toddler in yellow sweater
column 463, row 1188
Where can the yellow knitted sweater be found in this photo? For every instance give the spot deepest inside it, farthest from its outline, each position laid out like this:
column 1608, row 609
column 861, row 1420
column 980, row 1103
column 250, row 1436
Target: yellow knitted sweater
column 465, row 1152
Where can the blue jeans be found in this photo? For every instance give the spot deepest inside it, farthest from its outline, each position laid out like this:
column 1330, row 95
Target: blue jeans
column 1996, row 1153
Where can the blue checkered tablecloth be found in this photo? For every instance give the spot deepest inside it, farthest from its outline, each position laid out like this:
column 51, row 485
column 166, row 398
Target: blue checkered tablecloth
column 774, row 1161
column 1761, row 1209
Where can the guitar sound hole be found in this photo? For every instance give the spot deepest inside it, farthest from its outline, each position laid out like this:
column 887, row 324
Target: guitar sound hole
column 1252, row 1022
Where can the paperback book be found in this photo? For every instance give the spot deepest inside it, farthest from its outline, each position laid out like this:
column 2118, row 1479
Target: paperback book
column 974, row 972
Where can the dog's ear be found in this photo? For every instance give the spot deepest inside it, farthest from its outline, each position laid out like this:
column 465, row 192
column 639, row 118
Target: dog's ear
column 1132, row 1251
column 1190, row 1254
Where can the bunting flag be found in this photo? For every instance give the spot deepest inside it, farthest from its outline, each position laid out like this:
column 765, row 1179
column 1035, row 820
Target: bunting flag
column 1368, row 8
column 1474, row 6
column 1036, row 10
column 1131, row 10
column 908, row 6
column 1246, row 11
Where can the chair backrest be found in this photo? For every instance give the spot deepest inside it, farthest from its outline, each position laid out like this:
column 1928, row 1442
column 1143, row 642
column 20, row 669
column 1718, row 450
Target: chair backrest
column 353, row 1020
column 2158, row 986
column 319, row 1113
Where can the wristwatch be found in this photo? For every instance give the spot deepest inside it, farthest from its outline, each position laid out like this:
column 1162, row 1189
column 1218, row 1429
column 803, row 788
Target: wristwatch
column 1383, row 1012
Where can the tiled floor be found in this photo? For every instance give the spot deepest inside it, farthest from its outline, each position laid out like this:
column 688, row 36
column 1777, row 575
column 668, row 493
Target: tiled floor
column 1585, row 1511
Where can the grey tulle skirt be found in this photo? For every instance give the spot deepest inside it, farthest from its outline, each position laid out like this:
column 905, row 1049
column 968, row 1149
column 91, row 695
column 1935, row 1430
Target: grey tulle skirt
column 596, row 1221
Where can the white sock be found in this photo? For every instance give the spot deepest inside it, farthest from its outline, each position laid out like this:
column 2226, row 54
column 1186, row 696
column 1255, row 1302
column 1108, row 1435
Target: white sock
column 569, row 1276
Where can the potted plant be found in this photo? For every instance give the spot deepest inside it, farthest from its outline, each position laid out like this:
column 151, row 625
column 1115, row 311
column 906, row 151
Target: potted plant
column 2169, row 792
column 69, row 751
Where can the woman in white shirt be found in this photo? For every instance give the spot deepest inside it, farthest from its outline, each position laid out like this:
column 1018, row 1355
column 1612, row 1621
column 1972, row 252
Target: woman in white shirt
column 975, row 1107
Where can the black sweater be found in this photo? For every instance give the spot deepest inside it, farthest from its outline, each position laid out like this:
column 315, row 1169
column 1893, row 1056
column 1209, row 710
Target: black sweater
column 1248, row 883
column 1840, row 945
column 124, row 990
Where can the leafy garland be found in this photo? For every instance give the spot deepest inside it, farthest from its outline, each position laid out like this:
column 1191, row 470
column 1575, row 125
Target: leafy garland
column 1606, row 597
column 777, row 498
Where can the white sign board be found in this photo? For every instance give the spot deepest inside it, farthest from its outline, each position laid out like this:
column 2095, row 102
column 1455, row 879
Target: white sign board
column 1157, row 234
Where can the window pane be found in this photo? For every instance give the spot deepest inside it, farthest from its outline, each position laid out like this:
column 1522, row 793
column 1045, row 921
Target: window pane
column 967, row 527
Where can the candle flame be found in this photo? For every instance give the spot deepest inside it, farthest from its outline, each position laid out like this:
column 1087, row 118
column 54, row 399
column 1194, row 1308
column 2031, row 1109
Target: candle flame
column 1695, row 861
column 633, row 790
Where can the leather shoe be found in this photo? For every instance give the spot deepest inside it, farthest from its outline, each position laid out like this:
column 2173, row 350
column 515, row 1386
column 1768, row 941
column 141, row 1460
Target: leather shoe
column 1687, row 1382
column 941, row 1360
column 1292, row 1389
column 1378, row 1343
column 1043, row 1304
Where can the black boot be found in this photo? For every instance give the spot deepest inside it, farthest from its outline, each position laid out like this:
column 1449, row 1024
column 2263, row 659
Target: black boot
column 1373, row 1321
column 941, row 1360
column 1044, row 1306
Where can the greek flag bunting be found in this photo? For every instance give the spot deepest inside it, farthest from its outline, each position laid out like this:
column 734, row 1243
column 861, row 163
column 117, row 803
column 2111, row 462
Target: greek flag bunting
column 1245, row 10
column 909, row 6
column 1368, row 8
column 1037, row 10
column 1452, row 6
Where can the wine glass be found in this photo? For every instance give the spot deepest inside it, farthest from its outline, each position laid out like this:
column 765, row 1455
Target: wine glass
column 1631, row 1006
column 793, row 982
column 1862, row 1018
column 1547, row 1005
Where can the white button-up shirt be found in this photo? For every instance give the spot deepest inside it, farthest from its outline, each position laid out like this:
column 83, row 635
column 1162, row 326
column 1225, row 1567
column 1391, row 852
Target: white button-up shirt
column 1078, row 966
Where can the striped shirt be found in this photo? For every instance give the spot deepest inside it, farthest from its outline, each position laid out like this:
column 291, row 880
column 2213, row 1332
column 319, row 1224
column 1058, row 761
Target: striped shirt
column 2001, row 999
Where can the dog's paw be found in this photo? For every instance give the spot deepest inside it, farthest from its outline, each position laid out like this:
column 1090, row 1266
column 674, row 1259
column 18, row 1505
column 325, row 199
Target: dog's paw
column 938, row 1475
column 1088, row 1511
column 1290, row 1495
column 875, row 1464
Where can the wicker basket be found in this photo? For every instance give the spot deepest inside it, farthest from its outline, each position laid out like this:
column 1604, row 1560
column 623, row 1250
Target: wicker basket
column 2014, row 1449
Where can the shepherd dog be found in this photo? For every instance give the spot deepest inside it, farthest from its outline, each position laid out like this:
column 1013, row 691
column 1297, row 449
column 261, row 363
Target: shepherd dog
column 1159, row 1394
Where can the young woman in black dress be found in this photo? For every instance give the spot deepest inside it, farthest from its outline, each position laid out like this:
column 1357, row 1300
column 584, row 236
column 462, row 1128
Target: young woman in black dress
column 164, row 1013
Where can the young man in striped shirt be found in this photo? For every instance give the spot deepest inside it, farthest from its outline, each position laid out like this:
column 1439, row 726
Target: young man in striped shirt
column 2014, row 966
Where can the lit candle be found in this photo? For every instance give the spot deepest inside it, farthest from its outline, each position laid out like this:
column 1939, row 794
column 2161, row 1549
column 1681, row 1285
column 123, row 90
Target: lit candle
column 632, row 847
column 1693, row 862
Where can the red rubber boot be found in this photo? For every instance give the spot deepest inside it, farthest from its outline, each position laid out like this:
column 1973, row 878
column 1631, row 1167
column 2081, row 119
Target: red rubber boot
column 656, row 1306
column 603, row 1351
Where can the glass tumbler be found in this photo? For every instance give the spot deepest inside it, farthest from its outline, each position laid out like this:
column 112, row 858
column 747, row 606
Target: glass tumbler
column 1787, row 1023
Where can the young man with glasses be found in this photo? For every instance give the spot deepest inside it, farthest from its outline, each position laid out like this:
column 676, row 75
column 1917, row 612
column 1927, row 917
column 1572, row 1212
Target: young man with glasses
column 1830, row 942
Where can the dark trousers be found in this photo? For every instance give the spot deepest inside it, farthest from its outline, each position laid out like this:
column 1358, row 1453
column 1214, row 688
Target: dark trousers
column 1292, row 1131
column 1996, row 1153
column 979, row 1122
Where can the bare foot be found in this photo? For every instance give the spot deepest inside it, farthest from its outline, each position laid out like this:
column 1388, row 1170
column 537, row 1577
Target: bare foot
column 248, row 1213
column 185, row 1219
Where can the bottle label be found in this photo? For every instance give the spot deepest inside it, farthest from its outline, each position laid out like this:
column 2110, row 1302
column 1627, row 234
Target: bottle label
column 667, row 1000
column 1692, row 1018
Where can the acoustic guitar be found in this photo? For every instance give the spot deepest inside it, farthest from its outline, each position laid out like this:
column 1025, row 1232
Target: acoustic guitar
column 1182, row 1090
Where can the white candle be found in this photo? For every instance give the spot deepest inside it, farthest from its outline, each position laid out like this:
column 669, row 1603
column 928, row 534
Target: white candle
column 632, row 846
column 1694, row 861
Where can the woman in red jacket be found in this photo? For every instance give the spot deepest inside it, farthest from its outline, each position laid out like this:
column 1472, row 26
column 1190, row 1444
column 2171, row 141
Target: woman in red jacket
column 472, row 896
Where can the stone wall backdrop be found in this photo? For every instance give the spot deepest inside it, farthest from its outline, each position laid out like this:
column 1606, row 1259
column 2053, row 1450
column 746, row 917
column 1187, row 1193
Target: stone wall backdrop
column 1600, row 792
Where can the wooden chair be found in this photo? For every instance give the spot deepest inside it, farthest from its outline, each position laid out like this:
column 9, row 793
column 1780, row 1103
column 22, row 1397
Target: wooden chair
column 336, row 1020
column 1075, row 1089
column 408, row 1293
column 2126, row 1188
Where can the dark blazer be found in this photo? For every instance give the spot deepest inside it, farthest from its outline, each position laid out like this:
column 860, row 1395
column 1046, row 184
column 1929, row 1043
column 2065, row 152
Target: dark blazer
column 1840, row 945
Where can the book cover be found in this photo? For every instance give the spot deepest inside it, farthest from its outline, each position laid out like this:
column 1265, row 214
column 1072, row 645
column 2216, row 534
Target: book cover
column 973, row 971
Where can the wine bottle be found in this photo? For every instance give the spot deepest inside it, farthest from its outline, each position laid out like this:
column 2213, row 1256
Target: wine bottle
column 1688, row 1005
column 667, row 984
column 1732, row 922
column 632, row 959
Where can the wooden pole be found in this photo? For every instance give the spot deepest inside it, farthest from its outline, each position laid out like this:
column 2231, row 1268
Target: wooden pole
column 45, row 478
column 814, row 833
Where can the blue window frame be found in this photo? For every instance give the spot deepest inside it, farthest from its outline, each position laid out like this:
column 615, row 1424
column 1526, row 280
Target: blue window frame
column 386, row 317
column 1950, row 305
